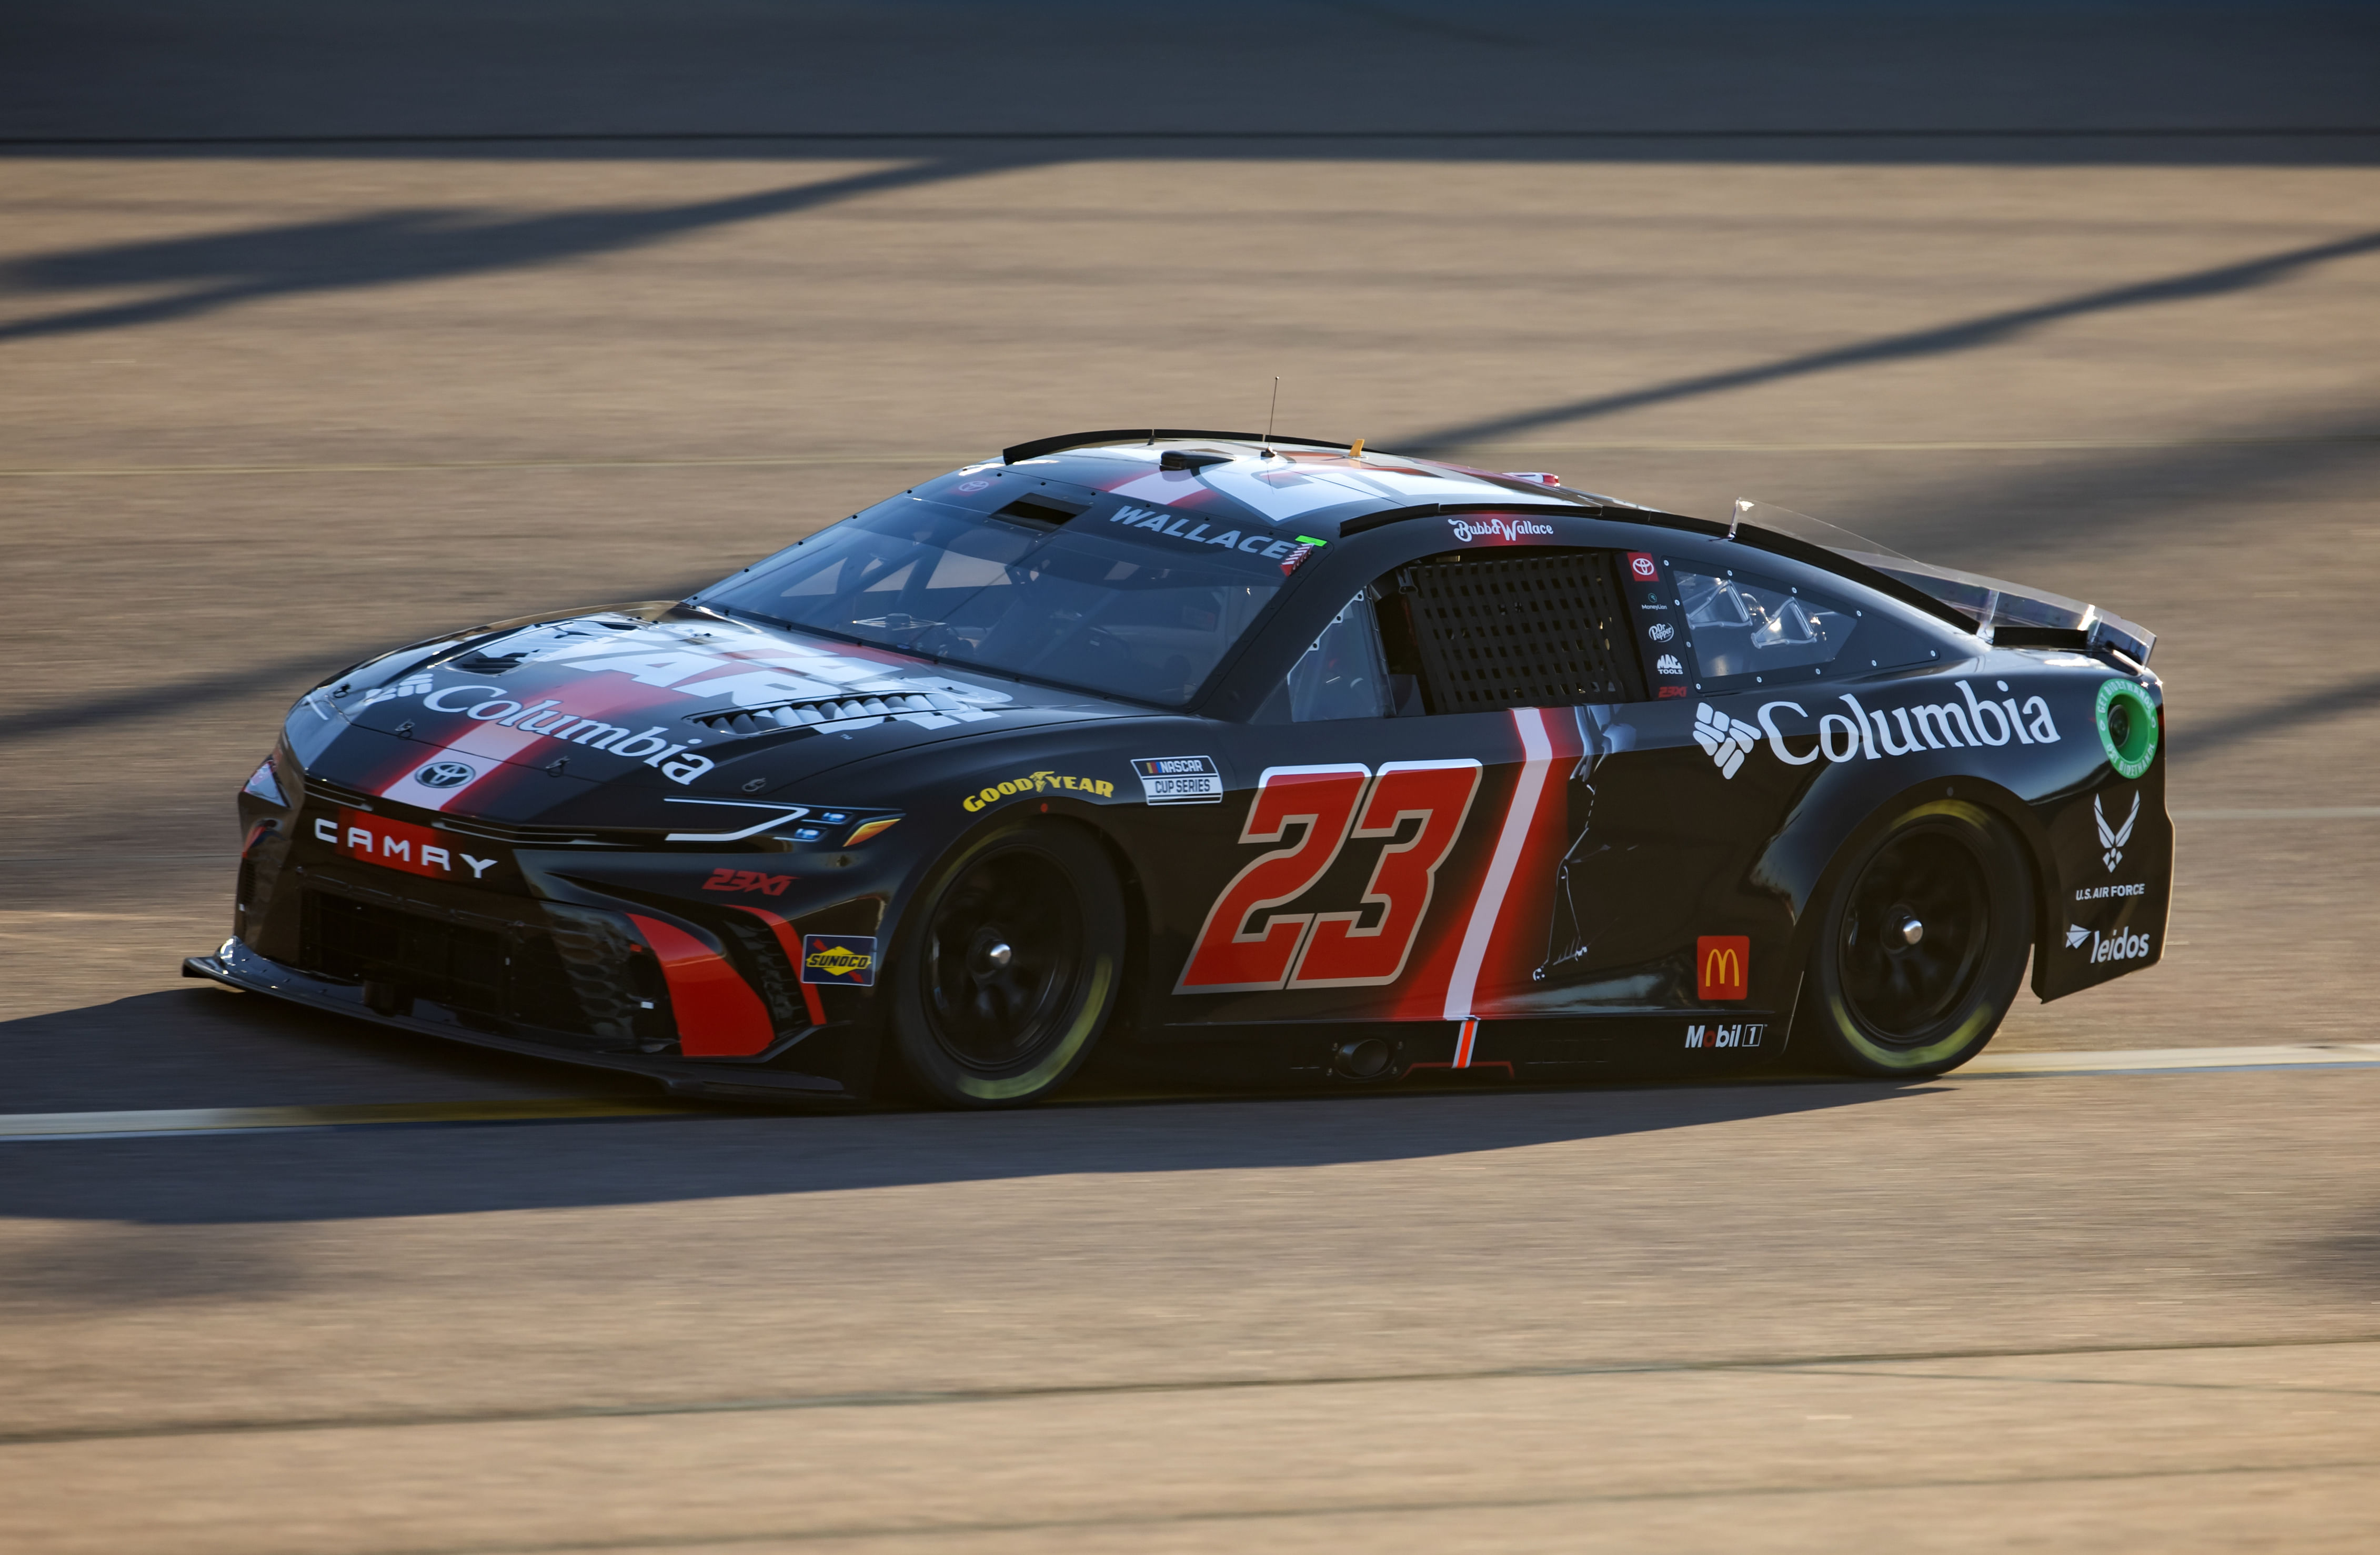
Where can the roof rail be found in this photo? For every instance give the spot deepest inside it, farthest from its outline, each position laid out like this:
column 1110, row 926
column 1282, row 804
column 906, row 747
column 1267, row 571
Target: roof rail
column 1040, row 446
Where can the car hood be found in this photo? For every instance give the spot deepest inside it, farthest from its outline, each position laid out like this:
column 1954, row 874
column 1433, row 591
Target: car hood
column 534, row 721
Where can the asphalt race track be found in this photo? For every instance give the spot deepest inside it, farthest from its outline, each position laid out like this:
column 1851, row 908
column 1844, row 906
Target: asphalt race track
column 323, row 329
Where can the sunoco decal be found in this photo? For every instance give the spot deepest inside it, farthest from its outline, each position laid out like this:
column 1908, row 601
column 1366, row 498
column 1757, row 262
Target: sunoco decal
column 845, row 959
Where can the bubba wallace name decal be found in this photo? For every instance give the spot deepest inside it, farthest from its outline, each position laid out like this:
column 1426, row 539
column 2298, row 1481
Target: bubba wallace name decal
column 1866, row 734
column 1496, row 528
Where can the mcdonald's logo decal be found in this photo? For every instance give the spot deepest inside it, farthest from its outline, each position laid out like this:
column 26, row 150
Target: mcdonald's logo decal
column 1722, row 966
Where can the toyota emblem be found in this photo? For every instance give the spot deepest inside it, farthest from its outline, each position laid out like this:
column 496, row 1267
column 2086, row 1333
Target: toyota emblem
column 445, row 775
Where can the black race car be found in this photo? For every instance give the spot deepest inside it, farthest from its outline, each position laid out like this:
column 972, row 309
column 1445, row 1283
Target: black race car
column 1258, row 758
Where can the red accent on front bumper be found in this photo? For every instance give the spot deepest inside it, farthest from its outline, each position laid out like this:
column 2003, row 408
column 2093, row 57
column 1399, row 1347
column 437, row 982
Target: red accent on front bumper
column 718, row 1014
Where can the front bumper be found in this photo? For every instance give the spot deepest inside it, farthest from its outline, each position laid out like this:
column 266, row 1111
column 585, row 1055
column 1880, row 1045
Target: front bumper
column 829, row 1066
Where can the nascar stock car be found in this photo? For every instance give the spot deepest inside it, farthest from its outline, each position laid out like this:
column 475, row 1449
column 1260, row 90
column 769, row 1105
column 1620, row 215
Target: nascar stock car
column 1266, row 759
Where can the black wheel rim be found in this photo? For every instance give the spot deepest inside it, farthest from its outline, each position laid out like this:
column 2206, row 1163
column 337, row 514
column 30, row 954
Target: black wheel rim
column 1903, row 990
column 995, row 1011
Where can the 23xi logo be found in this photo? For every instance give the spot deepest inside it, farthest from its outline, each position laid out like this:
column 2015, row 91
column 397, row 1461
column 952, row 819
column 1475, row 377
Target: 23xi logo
column 1246, row 944
column 2112, row 838
column 445, row 775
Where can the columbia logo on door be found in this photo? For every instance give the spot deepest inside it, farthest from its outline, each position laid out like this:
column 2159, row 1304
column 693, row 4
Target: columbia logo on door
column 1722, row 966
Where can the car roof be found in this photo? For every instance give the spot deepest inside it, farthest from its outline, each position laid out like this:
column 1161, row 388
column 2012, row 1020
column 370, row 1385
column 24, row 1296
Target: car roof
column 1348, row 488
column 1281, row 477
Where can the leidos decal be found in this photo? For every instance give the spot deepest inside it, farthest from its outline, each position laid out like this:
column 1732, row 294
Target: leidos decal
column 1865, row 734
column 2122, row 945
column 1246, row 944
column 396, row 845
column 1722, row 967
column 1034, row 783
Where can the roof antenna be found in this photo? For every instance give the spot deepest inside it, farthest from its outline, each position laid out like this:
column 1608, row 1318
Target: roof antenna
column 1741, row 507
column 1270, row 413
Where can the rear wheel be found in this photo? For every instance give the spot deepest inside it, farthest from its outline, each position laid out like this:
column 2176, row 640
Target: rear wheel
column 1011, row 966
column 1921, row 944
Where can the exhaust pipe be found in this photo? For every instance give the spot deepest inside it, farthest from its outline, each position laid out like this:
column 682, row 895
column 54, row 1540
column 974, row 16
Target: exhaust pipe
column 1363, row 1058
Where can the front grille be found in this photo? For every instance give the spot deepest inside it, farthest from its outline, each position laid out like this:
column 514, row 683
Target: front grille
column 511, row 972
column 427, row 958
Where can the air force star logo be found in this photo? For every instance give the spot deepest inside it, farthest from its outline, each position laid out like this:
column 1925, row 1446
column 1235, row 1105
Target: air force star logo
column 2113, row 838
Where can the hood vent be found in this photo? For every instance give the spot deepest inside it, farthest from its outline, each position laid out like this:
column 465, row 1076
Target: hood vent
column 820, row 712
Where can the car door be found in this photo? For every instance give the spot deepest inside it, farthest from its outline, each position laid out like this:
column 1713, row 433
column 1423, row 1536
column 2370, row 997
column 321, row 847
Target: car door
column 1397, row 841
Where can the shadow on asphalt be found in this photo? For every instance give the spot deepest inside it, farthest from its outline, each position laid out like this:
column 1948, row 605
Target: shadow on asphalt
column 308, row 1175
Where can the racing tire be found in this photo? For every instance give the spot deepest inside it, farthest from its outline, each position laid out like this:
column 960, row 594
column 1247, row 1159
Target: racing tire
column 1876, row 1002
column 1009, row 966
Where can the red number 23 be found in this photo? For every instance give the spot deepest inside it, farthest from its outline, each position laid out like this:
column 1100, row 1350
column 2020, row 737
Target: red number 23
column 1242, row 946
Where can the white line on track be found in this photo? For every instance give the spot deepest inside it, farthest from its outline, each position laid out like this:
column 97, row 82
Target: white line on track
column 548, row 1109
column 2336, row 812
column 2167, row 1060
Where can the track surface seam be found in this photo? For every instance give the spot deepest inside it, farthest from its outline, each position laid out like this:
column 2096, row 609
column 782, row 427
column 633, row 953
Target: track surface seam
column 796, row 461
column 1371, row 1508
column 895, row 1399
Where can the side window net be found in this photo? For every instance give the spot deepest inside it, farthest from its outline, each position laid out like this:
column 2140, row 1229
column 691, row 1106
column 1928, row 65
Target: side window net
column 1341, row 676
column 1544, row 629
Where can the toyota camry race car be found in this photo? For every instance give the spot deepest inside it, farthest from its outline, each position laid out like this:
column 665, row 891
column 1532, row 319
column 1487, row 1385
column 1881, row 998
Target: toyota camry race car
column 1265, row 759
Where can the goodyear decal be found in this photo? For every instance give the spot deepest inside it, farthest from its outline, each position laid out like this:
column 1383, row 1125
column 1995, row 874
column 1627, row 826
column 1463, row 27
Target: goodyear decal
column 1035, row 783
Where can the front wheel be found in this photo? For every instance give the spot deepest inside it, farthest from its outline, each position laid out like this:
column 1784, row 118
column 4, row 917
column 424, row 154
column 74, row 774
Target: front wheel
column 1010, row 965
column 1921, row 944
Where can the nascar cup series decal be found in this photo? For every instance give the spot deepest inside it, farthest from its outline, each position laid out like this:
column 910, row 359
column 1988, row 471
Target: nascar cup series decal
column 1180, row 779
column 1866, row 733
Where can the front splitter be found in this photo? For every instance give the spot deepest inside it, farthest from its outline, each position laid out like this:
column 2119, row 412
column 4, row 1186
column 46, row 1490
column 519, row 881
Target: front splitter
column 236, row 966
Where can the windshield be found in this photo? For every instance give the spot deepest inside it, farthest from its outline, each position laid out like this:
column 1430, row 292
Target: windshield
column 1070, row 585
